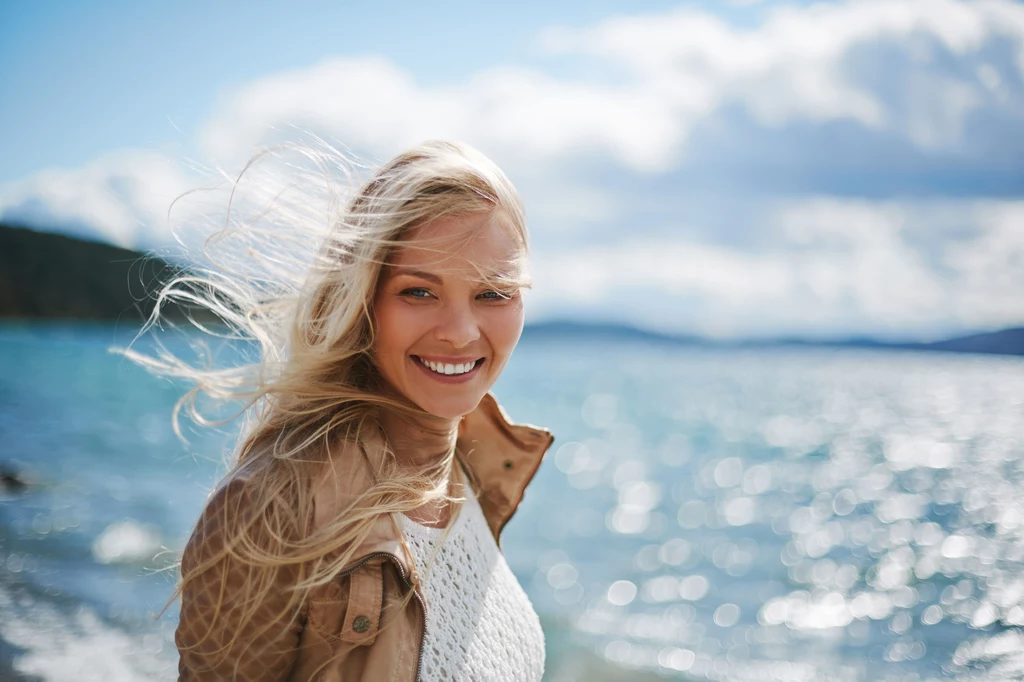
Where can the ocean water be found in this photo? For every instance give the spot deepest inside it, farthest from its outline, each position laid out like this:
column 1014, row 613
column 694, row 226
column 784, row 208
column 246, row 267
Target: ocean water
column 704, row 514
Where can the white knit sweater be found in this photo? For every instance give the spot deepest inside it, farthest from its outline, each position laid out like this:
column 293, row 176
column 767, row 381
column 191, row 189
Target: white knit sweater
column 480, row 623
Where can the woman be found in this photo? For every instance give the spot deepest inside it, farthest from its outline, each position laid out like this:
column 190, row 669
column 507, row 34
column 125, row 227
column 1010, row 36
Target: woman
column 356, row 535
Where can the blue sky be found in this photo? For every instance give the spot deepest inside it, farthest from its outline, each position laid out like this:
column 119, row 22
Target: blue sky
column 727, row 168
column 81, row 79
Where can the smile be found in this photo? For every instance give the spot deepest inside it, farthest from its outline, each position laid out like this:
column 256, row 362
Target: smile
column 442, row 369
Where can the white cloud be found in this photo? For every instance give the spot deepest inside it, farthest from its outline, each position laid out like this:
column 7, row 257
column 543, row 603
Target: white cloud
column 989, row 270
column 855, row 252
column 122, row 198
column 835, row 266
column 800, row 64
column 670, row 268
column 516, row 114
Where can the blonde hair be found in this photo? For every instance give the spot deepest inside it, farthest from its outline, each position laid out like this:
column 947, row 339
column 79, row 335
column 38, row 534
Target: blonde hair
column 297, row 280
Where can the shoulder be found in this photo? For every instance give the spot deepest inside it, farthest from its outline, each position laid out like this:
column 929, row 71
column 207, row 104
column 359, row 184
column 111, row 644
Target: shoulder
column 249, row 508
column 232, row 497
column 251, row 496
column 225, row 513
column 236, row 498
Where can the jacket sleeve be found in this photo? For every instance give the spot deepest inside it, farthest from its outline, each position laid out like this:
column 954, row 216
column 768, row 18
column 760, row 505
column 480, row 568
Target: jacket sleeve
column 222, row 634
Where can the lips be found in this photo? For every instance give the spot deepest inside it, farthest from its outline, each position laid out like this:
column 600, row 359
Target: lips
column 449, row 370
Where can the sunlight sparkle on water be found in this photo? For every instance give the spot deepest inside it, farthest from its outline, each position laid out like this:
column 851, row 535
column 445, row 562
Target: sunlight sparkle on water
column 850, row 510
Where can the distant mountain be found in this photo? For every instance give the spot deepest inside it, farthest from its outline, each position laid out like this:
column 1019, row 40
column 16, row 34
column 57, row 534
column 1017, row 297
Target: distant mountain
column 606, row 331
column 45, row 275
column 1004, row 342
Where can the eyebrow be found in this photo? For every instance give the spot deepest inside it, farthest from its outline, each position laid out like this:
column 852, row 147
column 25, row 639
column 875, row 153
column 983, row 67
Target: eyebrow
column 430, row 277
column 436, row 279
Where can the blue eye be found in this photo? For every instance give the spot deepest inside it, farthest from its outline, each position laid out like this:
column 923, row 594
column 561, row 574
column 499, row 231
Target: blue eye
column 496, row 296
column 416, row 292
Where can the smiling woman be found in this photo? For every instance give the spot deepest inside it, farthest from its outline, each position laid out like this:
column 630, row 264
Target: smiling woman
column 356, row 534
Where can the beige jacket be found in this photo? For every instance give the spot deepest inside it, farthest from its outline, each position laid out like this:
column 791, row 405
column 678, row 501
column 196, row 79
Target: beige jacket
column 500, row 458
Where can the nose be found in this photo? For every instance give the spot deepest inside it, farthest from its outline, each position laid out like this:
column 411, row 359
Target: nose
column 458, row 326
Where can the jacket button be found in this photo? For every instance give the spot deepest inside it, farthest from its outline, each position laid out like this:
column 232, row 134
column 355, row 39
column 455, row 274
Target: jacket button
column 361, row 624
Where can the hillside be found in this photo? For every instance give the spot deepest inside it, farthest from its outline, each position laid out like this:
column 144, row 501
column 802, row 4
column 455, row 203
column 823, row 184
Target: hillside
column 44, row 275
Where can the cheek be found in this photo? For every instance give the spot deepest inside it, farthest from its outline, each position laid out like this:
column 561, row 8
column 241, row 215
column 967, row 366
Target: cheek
column 389, row 334
column 506, row 328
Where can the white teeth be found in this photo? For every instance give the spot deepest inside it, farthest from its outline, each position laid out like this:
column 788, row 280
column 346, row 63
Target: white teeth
column 442, row 368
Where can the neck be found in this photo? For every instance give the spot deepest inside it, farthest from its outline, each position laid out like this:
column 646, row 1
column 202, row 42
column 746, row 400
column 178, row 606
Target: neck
column 419, row 443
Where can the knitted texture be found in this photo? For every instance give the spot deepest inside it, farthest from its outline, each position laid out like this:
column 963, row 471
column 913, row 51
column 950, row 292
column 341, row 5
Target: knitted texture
column 480, row 623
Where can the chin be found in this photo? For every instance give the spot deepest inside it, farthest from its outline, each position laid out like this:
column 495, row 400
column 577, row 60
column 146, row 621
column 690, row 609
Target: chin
column 450, row 408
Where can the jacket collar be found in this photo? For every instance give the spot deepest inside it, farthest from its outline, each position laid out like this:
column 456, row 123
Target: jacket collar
column 499, row 457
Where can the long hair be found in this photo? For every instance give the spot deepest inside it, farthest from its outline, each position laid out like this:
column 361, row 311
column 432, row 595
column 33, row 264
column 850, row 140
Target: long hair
column 307, row 310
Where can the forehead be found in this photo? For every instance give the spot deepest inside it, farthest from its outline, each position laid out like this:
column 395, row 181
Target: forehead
column 458, row 244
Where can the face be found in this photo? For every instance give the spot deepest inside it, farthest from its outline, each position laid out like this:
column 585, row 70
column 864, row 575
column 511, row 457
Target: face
column 443, row 334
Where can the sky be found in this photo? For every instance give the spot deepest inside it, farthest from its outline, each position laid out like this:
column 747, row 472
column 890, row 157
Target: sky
column 731, row 168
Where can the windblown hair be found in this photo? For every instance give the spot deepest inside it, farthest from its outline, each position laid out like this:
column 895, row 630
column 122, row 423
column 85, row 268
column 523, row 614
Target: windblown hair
column 297, row 284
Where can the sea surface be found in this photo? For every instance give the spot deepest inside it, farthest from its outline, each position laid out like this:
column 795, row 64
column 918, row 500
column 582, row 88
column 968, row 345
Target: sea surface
column 737, row 515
